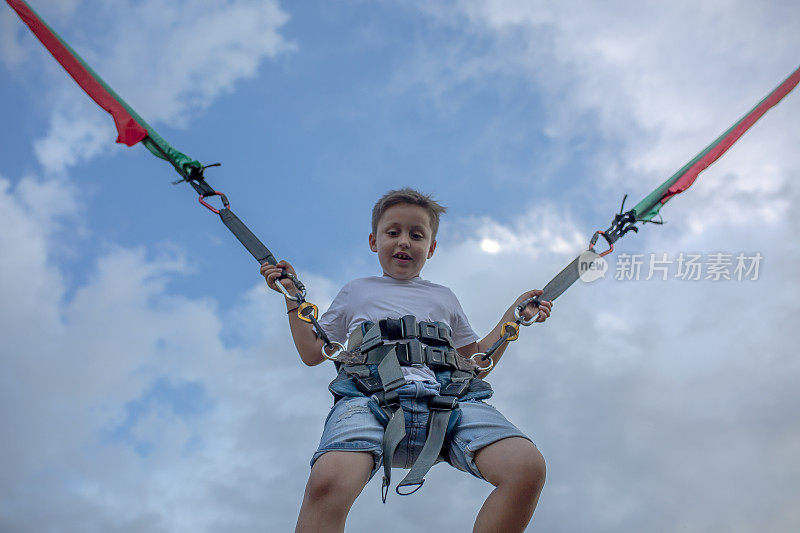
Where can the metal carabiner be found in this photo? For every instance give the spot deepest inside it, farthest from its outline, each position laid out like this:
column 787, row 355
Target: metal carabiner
column 521, row 307
column 297, row 297
column 224, row 198
column 593, row 241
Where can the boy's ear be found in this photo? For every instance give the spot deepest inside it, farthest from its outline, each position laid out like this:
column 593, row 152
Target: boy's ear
column 373, row 243
column 432, row 249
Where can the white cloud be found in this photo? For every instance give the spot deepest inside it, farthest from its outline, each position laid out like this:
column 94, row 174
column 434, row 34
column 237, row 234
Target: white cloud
column 75, row 368
column 76, row 134
column 646, row 396
column 656, row 81
column 211, row 47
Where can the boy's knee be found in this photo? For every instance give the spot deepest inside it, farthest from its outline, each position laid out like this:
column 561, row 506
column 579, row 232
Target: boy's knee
column 533, row 469
column 529, row 472
column 340, row 477
column 323, row 487
column 524, row 468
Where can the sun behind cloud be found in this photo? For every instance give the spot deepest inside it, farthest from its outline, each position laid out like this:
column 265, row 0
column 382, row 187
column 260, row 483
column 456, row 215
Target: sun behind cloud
column 490, row 246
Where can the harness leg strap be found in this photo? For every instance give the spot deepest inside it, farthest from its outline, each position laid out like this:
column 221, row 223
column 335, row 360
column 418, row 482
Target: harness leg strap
column 393, row 434
column 441, row 409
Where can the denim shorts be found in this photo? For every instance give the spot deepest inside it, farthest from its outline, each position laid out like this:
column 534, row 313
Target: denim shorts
column 352, row 426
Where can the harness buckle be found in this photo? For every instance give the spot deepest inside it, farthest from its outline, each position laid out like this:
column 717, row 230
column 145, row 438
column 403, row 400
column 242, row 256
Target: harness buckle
column 409, row 326
column 443, row 403
column 444, row 335
column 369, row 385
column 455, row 388
column 436, row 356
column 391, row 329
column 429, row 333
column 410, row 354
column 385, row 399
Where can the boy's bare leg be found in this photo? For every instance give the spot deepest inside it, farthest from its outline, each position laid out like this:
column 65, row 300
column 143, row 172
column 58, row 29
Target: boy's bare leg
column 336, row 479
column 517, row 469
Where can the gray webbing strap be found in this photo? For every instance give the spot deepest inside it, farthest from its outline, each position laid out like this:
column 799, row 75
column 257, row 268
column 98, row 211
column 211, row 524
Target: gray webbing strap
column 556, row 286
column 390, row 372
column 245, row 236
column 391, row 378
column 355, row 340
column 372, row 336
column 376, row 355
column 393, row 434
column 429, row 454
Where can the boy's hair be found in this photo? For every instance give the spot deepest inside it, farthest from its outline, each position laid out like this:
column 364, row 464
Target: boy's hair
column 407, row 195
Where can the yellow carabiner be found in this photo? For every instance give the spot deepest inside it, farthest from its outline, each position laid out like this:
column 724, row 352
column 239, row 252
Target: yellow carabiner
column 304, row 316
column 515, row 327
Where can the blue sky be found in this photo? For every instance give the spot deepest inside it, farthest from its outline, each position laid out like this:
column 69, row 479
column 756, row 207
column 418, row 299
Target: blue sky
column 148, row 374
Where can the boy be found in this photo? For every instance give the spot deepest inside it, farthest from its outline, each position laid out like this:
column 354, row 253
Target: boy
column 482, row 441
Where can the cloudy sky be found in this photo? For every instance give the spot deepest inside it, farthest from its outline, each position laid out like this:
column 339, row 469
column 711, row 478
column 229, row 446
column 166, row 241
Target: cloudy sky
column 148, row 378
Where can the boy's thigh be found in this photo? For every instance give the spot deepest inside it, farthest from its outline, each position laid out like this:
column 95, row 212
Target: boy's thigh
column 480, row 425
column 352, row 427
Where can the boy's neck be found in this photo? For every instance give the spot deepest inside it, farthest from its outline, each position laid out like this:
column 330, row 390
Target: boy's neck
column 385, row 275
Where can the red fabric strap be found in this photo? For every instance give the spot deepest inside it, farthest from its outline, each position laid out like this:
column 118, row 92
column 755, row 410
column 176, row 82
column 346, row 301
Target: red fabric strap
column 129, row 130
column 726, row 142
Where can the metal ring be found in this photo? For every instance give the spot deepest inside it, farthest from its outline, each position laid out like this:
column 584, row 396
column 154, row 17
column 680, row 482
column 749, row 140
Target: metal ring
column 482, row 368
column 306, row 305
column 339, row 349
column 515, row 327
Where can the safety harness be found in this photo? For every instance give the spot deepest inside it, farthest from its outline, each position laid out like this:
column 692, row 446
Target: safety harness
column 371, row 367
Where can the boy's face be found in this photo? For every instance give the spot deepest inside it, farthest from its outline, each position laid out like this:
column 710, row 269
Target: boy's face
column 404, row 240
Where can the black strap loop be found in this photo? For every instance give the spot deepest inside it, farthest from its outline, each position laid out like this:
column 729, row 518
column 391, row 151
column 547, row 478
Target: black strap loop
column 256, row 248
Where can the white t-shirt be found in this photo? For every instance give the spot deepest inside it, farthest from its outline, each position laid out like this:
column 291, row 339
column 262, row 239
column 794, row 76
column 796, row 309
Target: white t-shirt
column 379, row 297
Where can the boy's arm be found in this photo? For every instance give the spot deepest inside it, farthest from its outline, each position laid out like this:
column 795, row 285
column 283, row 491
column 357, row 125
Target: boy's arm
column 486, row 342
column 308, row 344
